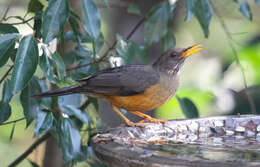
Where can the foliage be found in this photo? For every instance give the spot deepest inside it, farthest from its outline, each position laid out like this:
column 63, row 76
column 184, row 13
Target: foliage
column 64, row 116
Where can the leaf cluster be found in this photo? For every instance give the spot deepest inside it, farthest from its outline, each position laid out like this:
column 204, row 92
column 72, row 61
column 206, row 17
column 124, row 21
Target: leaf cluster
column 65, row 116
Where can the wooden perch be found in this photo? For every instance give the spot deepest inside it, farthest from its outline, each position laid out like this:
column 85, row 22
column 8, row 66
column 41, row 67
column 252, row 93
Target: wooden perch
column 213, row 141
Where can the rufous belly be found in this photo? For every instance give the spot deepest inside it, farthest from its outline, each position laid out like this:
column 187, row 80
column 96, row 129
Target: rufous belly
column 149, row 100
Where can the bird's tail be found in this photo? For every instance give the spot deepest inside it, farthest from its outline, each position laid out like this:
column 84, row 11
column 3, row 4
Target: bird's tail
column 59, row 92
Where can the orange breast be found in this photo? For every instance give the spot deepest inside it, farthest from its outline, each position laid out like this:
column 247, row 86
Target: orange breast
column 150, row 99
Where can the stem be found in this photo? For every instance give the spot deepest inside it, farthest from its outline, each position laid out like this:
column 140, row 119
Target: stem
column 30, row 150
column 6, row 74
column 229, row 37
column 110, row 48
column 10, row 122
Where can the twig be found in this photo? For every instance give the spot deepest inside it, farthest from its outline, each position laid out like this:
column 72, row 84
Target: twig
column 110, row 48
column 229, row 37
column 6, row 11
column 23, row 21
column 6, row 74
column 30, row 149
column 10, row 122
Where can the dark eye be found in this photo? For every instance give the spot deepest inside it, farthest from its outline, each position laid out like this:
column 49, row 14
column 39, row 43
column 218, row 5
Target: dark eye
column 173, row 54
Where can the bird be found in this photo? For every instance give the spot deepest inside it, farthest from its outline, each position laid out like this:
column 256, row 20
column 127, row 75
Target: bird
column 136, row 87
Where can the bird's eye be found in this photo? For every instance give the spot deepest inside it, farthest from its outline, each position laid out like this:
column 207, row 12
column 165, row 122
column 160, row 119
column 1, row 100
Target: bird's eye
column 173, row 54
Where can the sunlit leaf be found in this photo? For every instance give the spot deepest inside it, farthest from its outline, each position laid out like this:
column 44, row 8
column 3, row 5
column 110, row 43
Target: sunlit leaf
column 5, row 111
column 54, row 18
column 188, row 107
column 25, row 63
column 44, row 122
column 245, row 10
column 35, row 6
column 134, row 9
column 12, row 132
column 156, row 24
column 30, row 105
column 7, row 42
column 59, row 64
column 7, row 29
column 128, row 50
column 168, row 41
column 91, row 18
column 69, row 140
column 189, row 9
column 203, row 12
column 45, row 64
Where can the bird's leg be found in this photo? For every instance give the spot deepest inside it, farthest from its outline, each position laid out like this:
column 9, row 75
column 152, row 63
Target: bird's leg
column 127, row 121
column 147, row 118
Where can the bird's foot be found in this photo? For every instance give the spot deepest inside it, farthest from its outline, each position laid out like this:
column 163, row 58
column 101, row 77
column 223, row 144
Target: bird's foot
column 152, row 120
column 133, row 124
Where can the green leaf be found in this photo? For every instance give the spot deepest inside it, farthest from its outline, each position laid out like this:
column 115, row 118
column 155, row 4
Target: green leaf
column 70, row 35
column 12, row 132
column 59, row 64
column 54, row 18
column 73, row 99
column 69, row 140
column 30, row 105
column 91, row 18
column 203, row 12
column 5, row 111
column 189, row 8
column 44, row 122
column 7, row 43
column 134, row 9
column 46, row 103
column 73, row 20
column 72, row 110
column 245, row 10
column 7, row 92
column 156, row 24
column 168, row 41
column 35, row 6
column 188, row 107
column 25, row 63
column 128, row 49
column 45, row 64
column 37, row 25
column 7, row 29
column 236, row 1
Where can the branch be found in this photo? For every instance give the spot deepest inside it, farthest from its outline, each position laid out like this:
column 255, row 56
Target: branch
column 14, row 121
column 6, row 11
column 30, row 149
column 229, row 37
column 110, row 48
column 6, row 74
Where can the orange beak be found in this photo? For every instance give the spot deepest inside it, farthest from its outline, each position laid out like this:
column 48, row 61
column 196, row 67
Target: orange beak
column 191, row 50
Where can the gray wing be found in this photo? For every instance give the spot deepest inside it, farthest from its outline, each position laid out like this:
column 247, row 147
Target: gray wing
column 124, row 81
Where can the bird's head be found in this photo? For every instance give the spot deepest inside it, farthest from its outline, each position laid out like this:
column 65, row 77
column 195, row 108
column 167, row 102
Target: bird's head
column 173, row 60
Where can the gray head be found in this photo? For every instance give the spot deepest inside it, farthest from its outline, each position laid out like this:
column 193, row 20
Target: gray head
column 171, row 61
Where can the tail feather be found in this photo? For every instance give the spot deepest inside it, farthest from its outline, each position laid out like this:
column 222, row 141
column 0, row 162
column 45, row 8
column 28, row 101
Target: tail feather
column 58, row 92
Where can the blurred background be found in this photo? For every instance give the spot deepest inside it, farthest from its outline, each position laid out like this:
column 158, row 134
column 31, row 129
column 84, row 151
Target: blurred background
column 211, row 79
